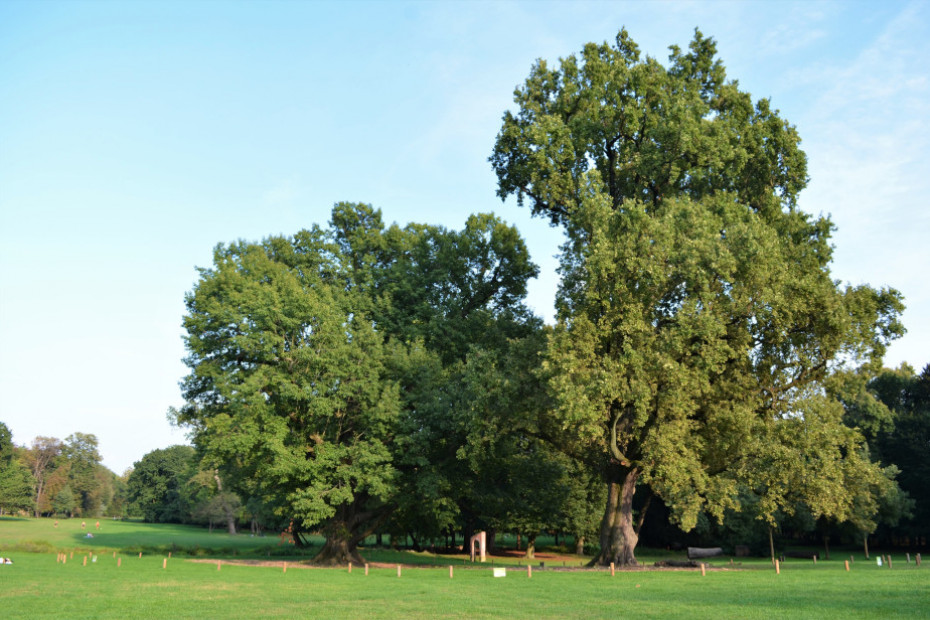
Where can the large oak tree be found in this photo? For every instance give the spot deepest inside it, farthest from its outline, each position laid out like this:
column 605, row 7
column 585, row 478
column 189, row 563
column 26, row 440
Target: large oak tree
column 697, row 314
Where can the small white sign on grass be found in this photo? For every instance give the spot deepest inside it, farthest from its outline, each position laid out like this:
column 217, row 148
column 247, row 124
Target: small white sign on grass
column 500, row 572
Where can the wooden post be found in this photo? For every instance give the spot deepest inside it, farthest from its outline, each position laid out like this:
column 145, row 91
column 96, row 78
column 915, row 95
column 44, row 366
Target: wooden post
column 918, row 560
column 164, row 562
column 450, row 571
column 908, row 557
column 847, row 566
column 398, row 570
column 85, row 561
column 72, row 554
column 889, row 562
column 350, row 568
column 169, row 554
column 703, row 569
column 611, row 569
column 529, row 571
column 114, row 554
column 140, row 555
column 366, row 569
column 815, row 560
column 119, row 562
column 285, row 568
column 852, row 559
column 777, row 568
column 218, row 564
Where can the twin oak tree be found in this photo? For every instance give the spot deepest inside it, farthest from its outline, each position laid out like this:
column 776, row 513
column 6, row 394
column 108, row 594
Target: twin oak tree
column 348, row 375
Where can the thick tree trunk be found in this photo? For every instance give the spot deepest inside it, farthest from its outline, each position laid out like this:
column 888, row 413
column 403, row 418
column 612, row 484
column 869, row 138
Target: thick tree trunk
column 227, row 509
column 531, row 547
column 579, row 545
column 338, row 551
column 618, row 534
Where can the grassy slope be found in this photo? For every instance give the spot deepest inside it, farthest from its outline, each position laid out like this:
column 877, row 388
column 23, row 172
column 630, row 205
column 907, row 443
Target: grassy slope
column 37, row 586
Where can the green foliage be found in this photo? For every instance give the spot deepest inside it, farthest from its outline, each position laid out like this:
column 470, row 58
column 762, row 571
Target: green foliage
column 322, row 365
column 154, row 489
column 905, row 446
column 698, row 321
column 15, row 488
column 83, row 458
column 15, row 481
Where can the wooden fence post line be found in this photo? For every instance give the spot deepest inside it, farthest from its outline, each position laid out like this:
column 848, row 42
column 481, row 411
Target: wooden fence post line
column 847, row 566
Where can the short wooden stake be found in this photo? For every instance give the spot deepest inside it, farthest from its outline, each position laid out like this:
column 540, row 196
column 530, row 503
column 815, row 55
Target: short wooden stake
column 398, row 570
column 450, row 571
column 908, row 558
column 366, row 569
column 889, row 562
column 85, row 560
column 140, row 555
column 852, row 559
column 529, row 571
column 164, row 562
column 169, row 554
column 285, row 568
column 918, row 560
column 119, row 562
column 847, row 566
column 815, row 560
column 72, row 554
column 218, row 564
column 114, row 554
column 611, row 569
column 703, row 569
column 777, row 568
column 350, row 568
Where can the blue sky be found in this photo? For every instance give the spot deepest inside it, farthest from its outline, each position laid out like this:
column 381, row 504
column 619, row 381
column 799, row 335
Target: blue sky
column 136, row 136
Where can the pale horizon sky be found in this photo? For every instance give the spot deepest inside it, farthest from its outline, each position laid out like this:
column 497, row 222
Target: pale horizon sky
column 135, row 136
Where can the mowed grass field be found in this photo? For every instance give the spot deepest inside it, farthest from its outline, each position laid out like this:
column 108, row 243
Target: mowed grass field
column 121, row 584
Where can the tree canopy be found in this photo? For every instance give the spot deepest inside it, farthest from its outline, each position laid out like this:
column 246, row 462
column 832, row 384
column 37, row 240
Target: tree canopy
column 306, row 354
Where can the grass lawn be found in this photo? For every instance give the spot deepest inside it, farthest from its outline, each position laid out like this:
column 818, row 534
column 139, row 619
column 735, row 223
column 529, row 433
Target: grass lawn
column 37, row 585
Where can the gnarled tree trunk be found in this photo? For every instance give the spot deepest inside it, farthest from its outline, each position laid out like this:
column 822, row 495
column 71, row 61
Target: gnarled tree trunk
column 618, row 534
